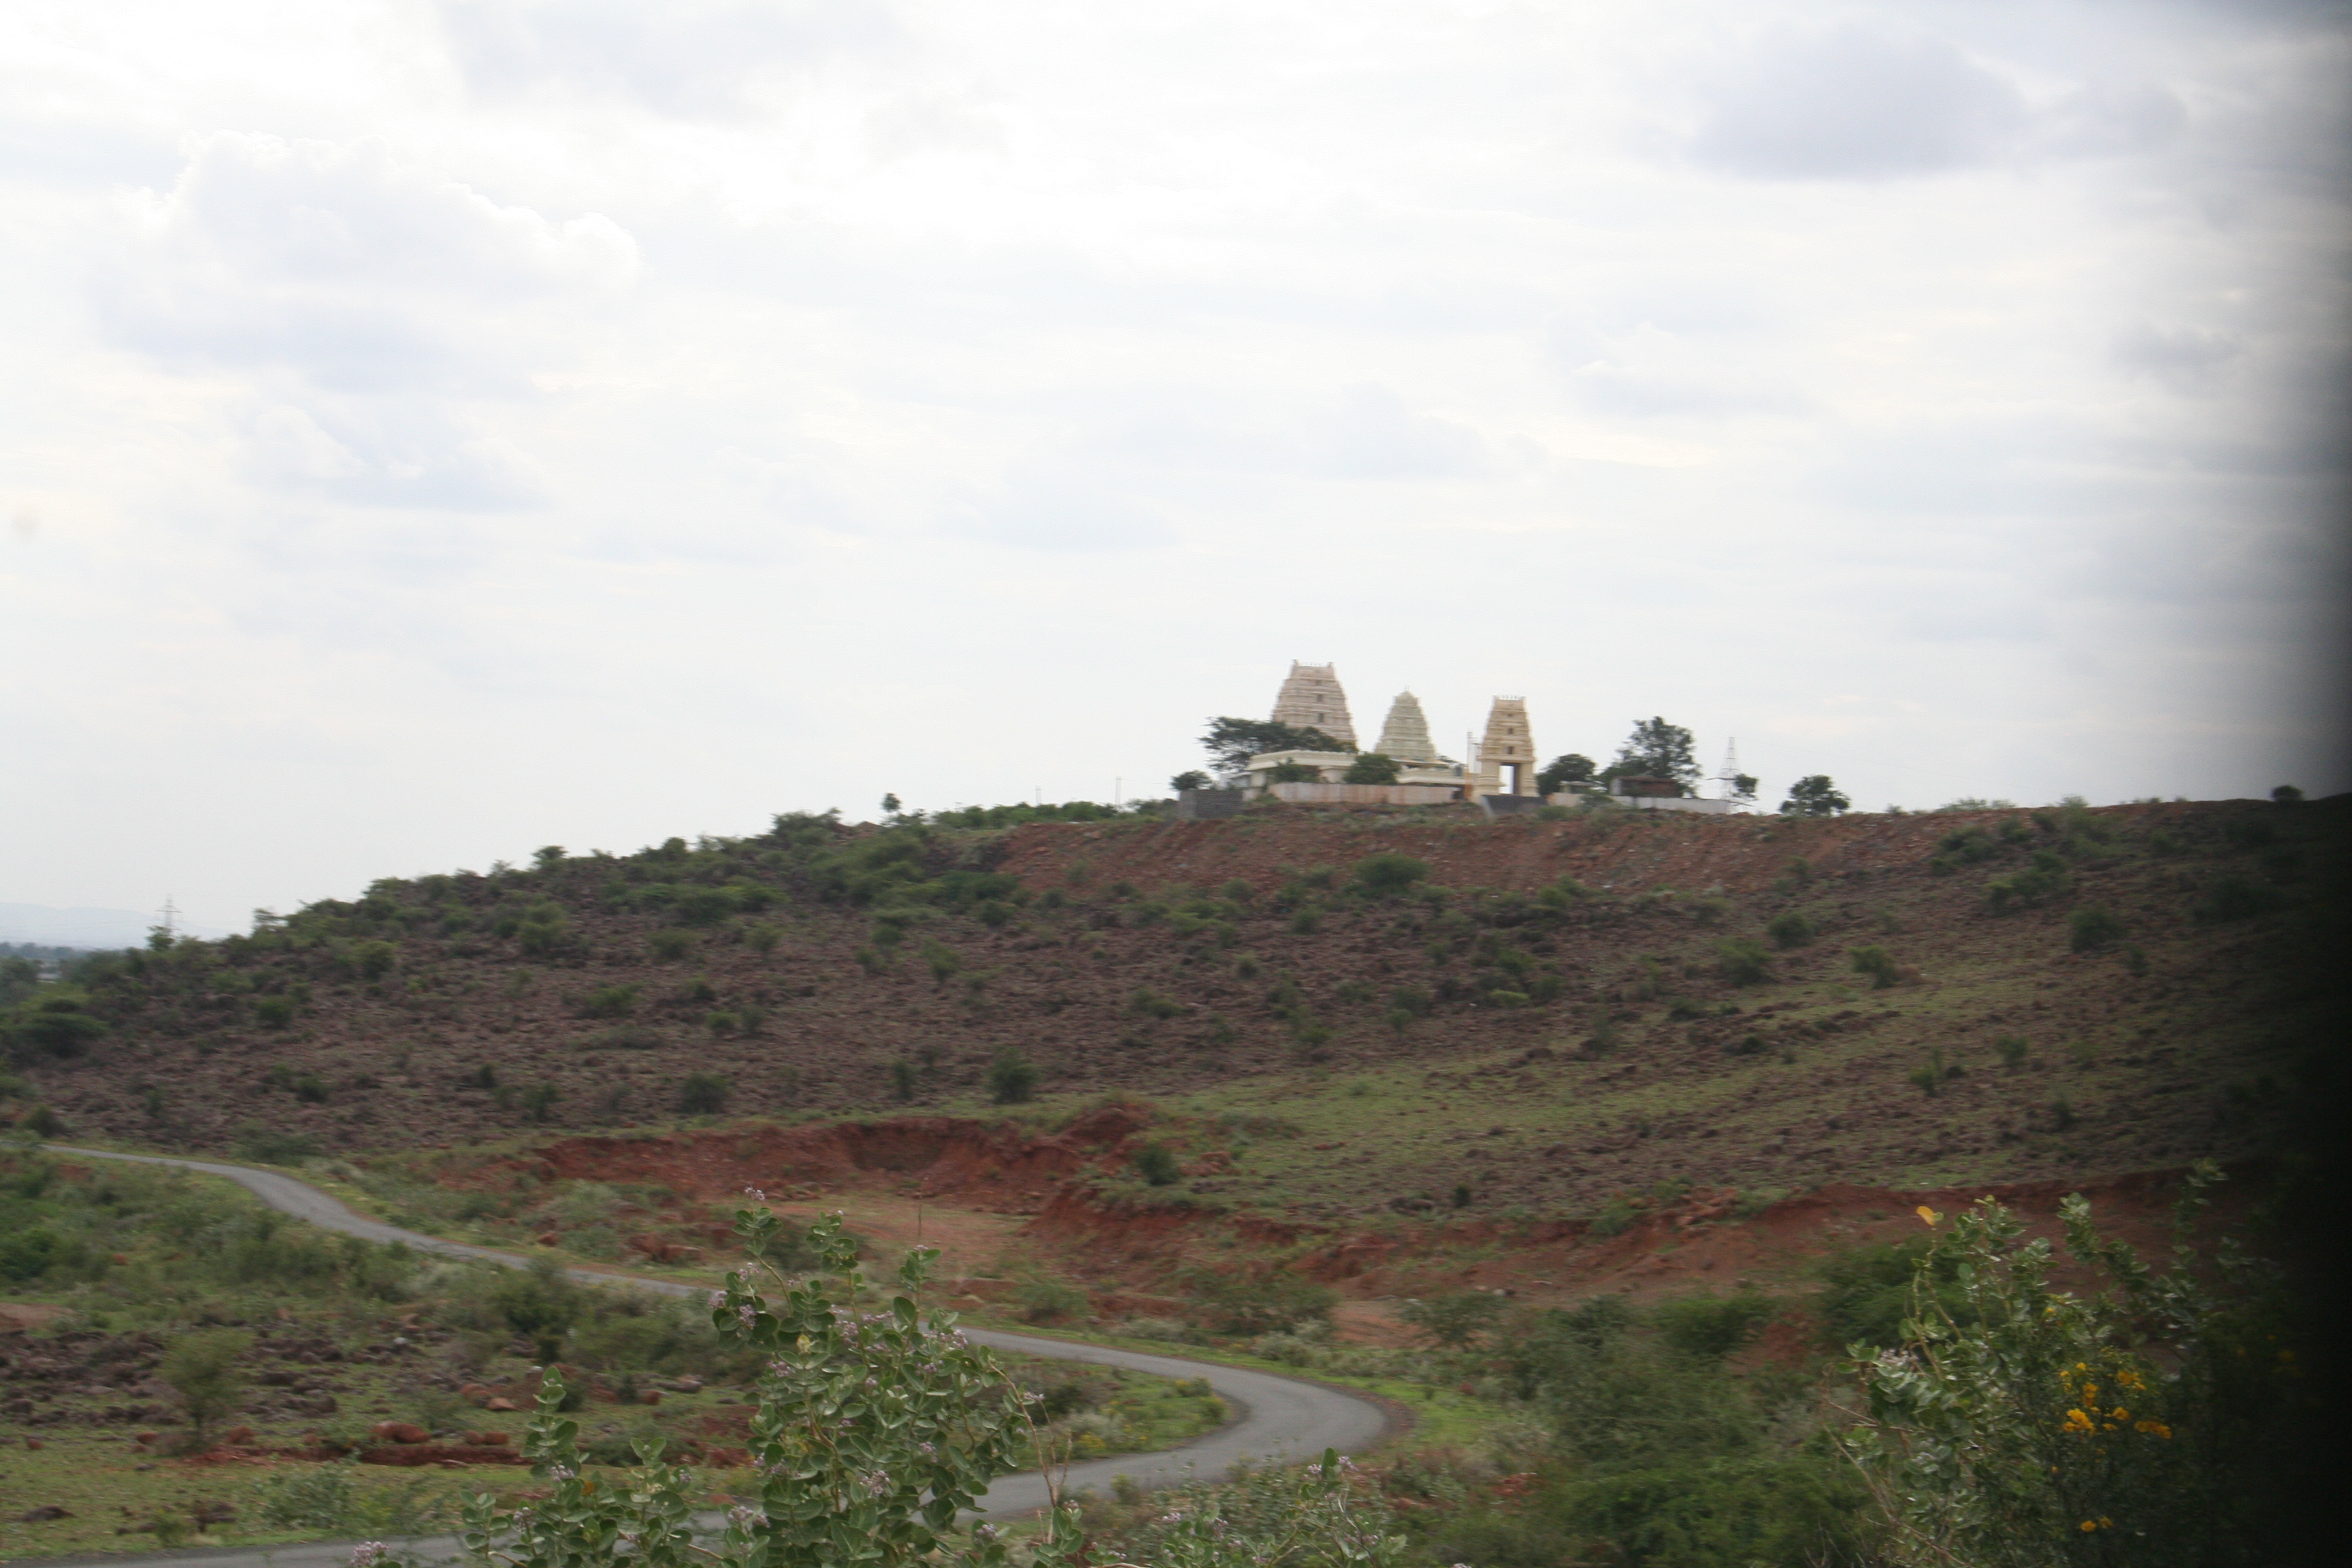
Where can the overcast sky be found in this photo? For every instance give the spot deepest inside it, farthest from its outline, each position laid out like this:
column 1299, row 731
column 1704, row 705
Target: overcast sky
column 435, row 430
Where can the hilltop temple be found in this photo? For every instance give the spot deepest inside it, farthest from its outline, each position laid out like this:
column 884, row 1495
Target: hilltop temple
column 1312, row 697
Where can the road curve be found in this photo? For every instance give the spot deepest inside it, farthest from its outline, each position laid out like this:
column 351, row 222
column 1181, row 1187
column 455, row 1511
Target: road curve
column 1278, row 1417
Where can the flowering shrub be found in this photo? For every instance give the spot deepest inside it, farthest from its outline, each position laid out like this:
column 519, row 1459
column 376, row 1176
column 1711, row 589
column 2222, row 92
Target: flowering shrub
column 1322, row 1516
column 2018, row 1425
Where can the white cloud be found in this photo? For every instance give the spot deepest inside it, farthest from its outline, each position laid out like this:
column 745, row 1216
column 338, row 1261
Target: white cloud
column 2186, row 358
column 692, row 58
column 355, row 270
column 513, row 421
column 1855, row 102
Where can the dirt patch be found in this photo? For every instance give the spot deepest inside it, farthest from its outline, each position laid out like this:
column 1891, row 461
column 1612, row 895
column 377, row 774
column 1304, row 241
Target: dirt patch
column 26, row 1317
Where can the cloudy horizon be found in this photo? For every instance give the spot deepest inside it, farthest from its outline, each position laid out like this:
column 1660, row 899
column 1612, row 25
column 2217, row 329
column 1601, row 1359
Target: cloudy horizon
column 439, row 430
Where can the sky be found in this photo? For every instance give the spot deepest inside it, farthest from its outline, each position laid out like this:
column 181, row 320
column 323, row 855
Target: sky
column 431, row 429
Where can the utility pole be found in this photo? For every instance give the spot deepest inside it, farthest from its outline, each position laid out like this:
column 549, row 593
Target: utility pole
column 171, row 912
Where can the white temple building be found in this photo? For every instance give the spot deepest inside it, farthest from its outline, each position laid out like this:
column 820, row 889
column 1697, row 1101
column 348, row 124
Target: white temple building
column 1502, row 772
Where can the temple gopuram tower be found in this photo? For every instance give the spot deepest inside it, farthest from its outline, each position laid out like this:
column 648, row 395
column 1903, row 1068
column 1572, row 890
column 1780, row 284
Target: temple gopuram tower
column 1507, row 744
column 1311, row 699
column 1405, row 736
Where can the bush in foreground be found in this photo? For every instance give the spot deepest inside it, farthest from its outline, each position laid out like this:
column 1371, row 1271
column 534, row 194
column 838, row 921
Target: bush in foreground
column 875, row 1432
column 2017, row 1424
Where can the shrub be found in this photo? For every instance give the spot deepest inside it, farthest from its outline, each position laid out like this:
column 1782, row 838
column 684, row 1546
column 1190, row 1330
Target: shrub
column 2045, row 877
column 2032, row 1425
column 538, row 1101
column 1743, row 962
column 1453, row 1319
column 763, row 938
column 267, row 1146
column 203, row 1367
column 541, row 1303
column 1389, row 874
column 670, row 945
column 1150, row 1004
column 943, row 961
column 1156, row 1164
column 2013, row 1049
column 1010, row 1078
column 2091, row 928
column 27, row 1255
column 55, row 1025
column 902, row 1079
column 1414, row 1001
column 544, row 927
column 1259, row 1303
column 703, row 1094
column 1373, row 768
column 2235, row 899
column 1790, row 930
column 1879, row 964
column 610, row 1001
column 1711, row 1325
column 273, row 1012
column 1043, row 1300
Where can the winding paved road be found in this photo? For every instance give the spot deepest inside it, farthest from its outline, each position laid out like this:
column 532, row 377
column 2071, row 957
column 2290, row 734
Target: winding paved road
column 1279, row 1416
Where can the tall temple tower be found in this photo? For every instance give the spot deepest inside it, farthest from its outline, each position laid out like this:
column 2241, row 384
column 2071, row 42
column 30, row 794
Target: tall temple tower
column 1405, row 736
column 1507, row 744
column 1311, row 699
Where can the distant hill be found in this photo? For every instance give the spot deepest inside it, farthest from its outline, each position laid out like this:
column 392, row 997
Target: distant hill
column 1574, row 1007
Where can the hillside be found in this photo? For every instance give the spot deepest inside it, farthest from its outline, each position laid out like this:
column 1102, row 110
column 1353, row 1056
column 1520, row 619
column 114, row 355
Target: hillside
column 1556, row 1012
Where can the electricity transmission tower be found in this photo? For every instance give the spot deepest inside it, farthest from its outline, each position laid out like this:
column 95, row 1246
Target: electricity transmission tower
column 1727, row 781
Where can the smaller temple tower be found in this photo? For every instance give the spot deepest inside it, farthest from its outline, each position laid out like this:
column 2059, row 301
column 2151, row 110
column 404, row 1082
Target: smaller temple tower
column 1507, row 744
column 1311, row 699
column 1406, row 735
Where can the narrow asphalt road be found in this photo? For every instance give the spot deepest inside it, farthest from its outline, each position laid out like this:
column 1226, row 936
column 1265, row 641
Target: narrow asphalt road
column 1278, row 1417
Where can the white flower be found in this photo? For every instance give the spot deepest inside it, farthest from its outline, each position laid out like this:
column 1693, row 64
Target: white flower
column 718, row 1299
column 368, row 1554
column 561, row 1472
column 745, row 1516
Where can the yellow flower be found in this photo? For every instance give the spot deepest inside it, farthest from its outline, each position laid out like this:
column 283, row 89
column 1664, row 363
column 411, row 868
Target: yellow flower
column 2089, row 1525
column 2155, row 1428
column 1930, row 1215
column 2076, row 1422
